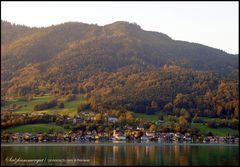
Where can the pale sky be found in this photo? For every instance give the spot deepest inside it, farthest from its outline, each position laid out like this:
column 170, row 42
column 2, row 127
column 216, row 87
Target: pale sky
column 213, row 24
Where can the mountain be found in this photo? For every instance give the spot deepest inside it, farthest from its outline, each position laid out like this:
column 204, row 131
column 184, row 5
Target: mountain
column 104, row 48
column 119, row 64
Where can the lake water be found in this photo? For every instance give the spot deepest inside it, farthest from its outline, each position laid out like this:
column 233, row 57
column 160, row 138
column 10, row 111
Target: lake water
column 119, row 154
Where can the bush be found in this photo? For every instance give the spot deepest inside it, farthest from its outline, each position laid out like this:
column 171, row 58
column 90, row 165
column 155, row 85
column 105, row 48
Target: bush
column 150, row 110
column 197, row 119
column 212, row 124
column 22, row 98
column 83, row 106
column 140, row 109
column 70, row 97
column 60, row 105
column 45, row 105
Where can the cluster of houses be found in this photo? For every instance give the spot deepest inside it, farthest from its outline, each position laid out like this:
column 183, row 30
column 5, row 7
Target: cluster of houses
column 217, row 139
column 115, row 135
column 126, row 133
column 90, row 117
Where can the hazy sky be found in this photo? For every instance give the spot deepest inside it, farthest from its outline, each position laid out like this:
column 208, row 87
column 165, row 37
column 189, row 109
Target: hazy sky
column 210, row 23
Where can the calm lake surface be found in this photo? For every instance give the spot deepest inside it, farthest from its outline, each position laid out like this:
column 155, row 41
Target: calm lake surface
column 119, row 154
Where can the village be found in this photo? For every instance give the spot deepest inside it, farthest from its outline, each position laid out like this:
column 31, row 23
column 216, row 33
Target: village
column 117, row 135
column 127, row 133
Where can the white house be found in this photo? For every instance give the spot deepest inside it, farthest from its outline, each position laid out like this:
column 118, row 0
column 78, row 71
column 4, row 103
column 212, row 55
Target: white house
column 77, row 119
column 112, row 119
column 159, row 122
column 118, row 135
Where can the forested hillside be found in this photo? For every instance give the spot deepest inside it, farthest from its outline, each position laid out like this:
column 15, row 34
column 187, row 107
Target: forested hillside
column 119, row 66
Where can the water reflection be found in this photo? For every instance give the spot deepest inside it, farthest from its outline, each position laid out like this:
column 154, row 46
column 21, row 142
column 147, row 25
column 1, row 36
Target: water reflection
column 127, row 154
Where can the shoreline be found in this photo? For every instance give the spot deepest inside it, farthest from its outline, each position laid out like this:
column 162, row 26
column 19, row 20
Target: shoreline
column 114, row 144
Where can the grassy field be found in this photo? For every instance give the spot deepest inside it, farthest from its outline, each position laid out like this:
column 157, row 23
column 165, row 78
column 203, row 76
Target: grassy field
column 146, row 117
column 70, row 108
column 218, row 131
column 152, row 118
column 36, row 128
column 204, row 129
column 28, row 106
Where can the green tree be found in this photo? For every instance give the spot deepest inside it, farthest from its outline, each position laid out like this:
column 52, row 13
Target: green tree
column 182, row 121
column 129, row 117
column 98, row 117
column 152, row 128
